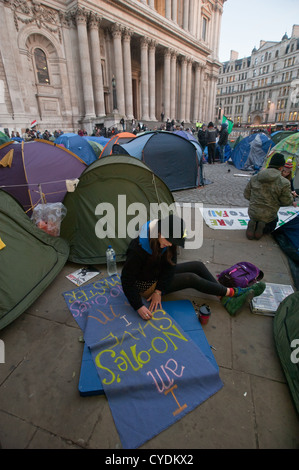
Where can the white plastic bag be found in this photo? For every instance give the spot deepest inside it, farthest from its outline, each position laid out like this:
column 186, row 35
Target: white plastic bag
column 48, row 217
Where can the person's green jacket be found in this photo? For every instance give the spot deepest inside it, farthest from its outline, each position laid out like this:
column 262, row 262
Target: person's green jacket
column 267, row 191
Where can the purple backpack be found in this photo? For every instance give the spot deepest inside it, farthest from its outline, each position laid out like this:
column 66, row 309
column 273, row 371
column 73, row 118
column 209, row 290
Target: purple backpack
column 242, row 274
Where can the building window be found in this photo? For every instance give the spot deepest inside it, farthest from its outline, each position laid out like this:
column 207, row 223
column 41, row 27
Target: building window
column 41, row 67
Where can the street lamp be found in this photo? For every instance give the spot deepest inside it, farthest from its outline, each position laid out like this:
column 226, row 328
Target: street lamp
column 114, row 93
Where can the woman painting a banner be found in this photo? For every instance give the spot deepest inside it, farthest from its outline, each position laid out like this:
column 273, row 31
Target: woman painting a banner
column 151, row 270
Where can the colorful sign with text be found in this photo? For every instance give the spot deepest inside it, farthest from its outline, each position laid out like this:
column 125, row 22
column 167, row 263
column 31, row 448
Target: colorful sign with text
column 237, row 218
column 151, row 371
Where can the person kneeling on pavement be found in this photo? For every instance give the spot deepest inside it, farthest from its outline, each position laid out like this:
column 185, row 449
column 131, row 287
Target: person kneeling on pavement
column 267, row 191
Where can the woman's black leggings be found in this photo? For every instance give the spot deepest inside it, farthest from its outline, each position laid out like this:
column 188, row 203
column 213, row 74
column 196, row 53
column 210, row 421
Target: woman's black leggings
column 194, row 275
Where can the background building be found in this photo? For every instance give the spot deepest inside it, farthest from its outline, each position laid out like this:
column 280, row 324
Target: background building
column 76, row 64
column 262, row 89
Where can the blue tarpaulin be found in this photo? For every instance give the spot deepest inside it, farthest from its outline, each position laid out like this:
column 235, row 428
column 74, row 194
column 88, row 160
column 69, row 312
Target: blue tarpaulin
column 250, row 152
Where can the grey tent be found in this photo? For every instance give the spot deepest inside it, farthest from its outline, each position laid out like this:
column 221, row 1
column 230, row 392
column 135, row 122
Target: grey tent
column 30, row 259
column 105, row 206
column 170, row 156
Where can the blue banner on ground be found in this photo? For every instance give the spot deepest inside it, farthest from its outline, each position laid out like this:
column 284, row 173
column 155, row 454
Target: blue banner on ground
column 152, row 372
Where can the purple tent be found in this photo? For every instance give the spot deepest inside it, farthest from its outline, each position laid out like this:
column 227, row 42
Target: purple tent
column 29, row 169
column 186, row 135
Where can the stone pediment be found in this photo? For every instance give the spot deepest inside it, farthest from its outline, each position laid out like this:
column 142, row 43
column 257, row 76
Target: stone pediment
column 206, row 9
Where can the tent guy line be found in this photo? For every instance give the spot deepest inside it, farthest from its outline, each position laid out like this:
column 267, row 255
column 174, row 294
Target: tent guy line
column 32, row 184
column 29, row 184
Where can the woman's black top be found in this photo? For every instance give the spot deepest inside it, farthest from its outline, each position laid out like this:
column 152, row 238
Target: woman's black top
column 141, row 268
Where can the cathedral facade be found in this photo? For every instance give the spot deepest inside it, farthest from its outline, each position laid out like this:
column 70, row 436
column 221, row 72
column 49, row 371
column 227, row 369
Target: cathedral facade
column 70, row 64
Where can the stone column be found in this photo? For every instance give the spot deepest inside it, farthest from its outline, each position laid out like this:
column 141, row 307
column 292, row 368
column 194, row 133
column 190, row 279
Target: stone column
column 196, row 114
column 198, row 19
column 166, row 87
column 188, row 89
column 201, row 93
column 183, row 89
column 219, row 12
column 186, row 15
column 144, row 79
column 128, row 73
column 173, row 93
column 168, row 9
column 152, row 4
column 213, row 30
column 209, row 116
column 81, row 21
column 214, row 80
column 96, row 65
column 152, row 80
column 175, row 11
column 191, row 16
column 118, row 67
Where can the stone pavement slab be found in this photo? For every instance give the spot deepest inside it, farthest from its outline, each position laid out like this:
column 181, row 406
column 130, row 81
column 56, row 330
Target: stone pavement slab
column 40, row 405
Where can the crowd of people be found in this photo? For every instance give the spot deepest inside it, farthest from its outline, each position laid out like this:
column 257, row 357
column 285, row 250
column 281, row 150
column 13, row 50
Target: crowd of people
column 33, row 133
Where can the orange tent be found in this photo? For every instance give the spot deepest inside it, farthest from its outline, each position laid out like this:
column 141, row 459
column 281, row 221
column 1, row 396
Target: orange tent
column 121, row 138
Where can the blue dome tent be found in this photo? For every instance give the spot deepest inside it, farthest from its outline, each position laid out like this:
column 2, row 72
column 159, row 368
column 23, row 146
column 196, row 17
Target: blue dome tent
column 78, row 145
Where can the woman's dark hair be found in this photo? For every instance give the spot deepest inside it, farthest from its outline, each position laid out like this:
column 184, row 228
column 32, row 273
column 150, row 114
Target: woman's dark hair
column 157, row 252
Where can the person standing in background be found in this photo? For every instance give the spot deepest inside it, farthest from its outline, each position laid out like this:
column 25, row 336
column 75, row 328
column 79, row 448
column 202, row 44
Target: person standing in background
column 211, row 135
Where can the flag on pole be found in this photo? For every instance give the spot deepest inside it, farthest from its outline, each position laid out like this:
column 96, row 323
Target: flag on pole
column 229, row 122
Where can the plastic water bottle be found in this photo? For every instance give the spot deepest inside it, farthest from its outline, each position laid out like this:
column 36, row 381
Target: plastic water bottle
column 111, row 262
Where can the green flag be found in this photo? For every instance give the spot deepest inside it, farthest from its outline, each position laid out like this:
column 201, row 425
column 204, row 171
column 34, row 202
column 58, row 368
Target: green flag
column 229, row 122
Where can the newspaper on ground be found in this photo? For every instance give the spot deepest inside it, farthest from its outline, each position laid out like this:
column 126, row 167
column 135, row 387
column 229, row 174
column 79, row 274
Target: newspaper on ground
column 268, row 302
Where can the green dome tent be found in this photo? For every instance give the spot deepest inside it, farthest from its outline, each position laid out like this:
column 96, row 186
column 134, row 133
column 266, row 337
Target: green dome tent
column 30, row 259
column 102, row 209
column 280, row 135
column 289, row 147
column 3, row 138
column 286, row 337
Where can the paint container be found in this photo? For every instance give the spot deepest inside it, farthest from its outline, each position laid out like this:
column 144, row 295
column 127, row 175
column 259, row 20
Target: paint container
column 204, row 314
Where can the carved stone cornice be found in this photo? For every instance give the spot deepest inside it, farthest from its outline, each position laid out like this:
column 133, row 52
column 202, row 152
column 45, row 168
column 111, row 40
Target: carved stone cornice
column 31, row 12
